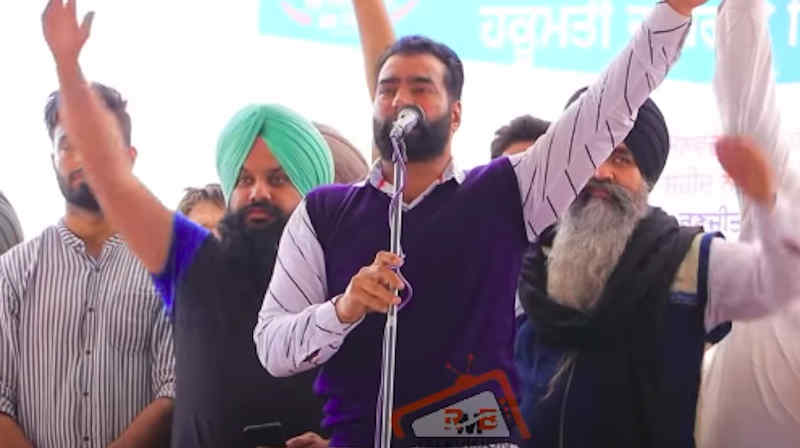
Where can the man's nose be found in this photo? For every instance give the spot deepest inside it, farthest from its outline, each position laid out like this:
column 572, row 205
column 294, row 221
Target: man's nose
column 604, row 173
column 260, row 192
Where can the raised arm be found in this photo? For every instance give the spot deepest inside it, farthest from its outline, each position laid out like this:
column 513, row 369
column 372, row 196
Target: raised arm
column 143, row 221
column 748, row 280
column 744, row 84
column 553, row 171
column 375, row 30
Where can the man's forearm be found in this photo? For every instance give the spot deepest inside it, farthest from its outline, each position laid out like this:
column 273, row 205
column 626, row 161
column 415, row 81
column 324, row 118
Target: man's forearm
column 375, row 29
column 744, row 84
column 133, row 210
column 298, row 329
column 93, row 131
column 744, row 81
column 11, row 435
column 551, row 174
column 90, row 127
column 150, row 428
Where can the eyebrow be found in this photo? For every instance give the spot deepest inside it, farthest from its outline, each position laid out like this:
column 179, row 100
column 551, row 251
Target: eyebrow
column 278, row 170
column 267, row 172
column 420, row 79
column 411, row 79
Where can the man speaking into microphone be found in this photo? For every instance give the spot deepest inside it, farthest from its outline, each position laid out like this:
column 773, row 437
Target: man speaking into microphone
column 463, row 234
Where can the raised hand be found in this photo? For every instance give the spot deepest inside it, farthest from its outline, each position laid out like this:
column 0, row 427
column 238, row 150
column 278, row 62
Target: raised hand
column 685, row 7
column 747, row 167
column 61, row 30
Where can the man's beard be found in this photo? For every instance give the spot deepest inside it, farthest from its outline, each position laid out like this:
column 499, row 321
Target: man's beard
column 80, row 196
column 425, row 142
column 589, row 242
column 249, row 247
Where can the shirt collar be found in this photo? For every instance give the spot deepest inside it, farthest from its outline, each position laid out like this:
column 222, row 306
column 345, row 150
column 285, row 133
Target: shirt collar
column 375, row 178
column 72, row 240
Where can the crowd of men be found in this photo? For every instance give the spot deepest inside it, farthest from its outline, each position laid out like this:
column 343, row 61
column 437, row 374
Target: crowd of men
column 553, row 305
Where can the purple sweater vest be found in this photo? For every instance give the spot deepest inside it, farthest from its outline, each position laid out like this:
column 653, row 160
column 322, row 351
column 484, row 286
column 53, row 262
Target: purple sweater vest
column 463, row 246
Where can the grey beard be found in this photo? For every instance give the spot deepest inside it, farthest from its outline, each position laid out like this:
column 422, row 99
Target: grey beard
column 590, row 240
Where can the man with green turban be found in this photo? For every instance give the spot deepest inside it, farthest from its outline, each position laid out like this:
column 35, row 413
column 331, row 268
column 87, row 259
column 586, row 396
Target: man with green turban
column 268, row 158
column 295, row 143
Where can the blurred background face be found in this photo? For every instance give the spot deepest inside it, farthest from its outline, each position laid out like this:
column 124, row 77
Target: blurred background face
column 263, row 191
column 207, row 214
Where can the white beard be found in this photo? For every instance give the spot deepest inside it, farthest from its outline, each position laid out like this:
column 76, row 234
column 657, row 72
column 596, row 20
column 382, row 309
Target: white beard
column 590, row 239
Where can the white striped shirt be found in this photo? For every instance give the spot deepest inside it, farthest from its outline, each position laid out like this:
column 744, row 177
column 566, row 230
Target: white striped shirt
column 84, row 343
column 298, row 327
column 10, row 230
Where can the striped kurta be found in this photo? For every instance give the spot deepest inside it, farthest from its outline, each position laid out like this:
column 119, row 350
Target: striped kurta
column 84, row 343
column 10, row 230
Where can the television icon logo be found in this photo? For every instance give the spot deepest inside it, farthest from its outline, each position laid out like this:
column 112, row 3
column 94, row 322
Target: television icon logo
column 477, row 416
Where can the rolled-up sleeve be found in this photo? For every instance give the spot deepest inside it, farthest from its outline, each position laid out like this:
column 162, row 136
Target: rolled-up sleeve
column 9, row 347
column 10, row 229
column 163, row 353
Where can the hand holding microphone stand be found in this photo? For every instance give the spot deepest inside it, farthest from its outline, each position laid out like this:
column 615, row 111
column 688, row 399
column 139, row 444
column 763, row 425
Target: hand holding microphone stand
column 407, row 119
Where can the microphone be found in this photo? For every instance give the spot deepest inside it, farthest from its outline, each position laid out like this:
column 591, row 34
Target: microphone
column 407, row 119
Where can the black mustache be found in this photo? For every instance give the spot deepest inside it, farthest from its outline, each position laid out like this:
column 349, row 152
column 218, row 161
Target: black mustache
column 618, row 195
column 263, row 206
column 73, row 175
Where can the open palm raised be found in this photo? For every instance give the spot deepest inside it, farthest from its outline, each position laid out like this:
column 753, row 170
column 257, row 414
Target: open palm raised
column 61, row 30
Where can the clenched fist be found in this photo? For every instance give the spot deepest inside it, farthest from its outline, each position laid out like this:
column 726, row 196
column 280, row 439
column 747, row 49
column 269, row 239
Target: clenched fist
column 748, row 168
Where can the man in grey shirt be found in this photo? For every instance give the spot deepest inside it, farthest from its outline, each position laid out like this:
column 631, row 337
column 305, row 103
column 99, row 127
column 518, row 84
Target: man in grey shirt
column 10, row 231
column 86, row 351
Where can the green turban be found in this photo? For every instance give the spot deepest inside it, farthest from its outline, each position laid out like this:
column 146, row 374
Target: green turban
column 294, row 141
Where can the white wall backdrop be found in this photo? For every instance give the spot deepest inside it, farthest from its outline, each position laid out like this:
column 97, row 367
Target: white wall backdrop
column 185, row 66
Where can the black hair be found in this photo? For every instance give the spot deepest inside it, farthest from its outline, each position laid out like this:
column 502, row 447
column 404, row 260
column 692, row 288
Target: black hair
column 211, row 193
column 523, row 128
column 112, row 99
column 454, row 74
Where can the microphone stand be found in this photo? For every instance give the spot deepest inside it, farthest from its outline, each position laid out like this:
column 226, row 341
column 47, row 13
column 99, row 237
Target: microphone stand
column 383, row 434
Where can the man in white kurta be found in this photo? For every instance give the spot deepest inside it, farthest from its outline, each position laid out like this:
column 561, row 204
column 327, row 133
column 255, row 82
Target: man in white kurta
column 750, row 395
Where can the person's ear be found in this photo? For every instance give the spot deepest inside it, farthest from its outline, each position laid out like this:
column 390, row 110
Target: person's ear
column 455, row 116
column 133, row 153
